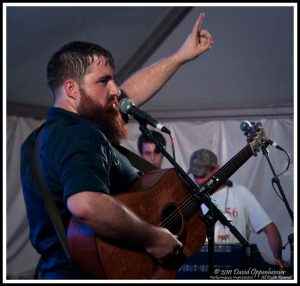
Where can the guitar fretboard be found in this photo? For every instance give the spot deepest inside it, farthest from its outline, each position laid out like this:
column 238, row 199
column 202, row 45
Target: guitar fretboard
column 191, row 204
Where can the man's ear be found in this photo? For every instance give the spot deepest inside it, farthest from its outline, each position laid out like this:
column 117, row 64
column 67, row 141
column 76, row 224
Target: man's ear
column 72, row 89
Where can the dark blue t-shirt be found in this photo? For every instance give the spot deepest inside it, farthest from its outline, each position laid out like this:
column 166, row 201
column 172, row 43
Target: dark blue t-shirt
column 75, row 156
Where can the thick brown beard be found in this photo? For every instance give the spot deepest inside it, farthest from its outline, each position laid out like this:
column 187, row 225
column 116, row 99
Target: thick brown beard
column 109, row 119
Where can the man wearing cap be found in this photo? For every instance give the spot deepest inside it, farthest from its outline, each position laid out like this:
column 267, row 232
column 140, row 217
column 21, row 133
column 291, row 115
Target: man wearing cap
column 239, row 204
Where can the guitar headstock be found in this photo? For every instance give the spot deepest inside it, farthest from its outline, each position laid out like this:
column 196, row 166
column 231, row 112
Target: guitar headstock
column 256, row 137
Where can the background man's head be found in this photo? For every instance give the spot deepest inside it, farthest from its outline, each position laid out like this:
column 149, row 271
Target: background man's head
column 147, row 148
column 203, row 164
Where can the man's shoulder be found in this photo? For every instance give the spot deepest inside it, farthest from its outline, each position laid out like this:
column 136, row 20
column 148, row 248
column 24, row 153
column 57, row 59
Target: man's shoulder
column 72, row 128
column 70, row 136
column 241, row 188
column 237, row 185
column 31, row 138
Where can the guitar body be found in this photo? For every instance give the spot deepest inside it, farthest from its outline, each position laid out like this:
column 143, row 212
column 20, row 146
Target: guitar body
column 158, row 197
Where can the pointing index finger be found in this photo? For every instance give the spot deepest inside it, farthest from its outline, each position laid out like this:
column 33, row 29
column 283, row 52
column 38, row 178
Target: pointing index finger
column 198, row 23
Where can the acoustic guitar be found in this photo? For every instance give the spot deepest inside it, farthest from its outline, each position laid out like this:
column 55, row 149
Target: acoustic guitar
column 161, row 198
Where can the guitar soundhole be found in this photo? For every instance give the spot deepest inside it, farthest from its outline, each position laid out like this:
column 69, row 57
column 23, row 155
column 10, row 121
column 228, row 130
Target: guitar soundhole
column 172, row 219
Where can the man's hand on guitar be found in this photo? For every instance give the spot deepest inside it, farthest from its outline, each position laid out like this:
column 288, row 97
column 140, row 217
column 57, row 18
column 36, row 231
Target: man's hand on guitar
column 163, row 246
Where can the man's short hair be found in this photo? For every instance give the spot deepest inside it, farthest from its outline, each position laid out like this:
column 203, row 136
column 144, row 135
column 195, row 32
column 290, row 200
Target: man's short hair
column 145, row 139
column 73, row 60
column 201, row 162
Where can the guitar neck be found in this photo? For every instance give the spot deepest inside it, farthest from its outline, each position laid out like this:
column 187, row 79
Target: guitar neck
column 191, row 203
column 221, row 176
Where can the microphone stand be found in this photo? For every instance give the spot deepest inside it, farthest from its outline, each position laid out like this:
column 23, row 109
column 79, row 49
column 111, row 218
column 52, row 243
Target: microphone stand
column 214, row 213
column 275, row 180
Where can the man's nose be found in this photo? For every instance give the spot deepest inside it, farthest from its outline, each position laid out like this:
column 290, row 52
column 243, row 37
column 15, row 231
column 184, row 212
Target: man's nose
column 152, row 156
column 114, row 89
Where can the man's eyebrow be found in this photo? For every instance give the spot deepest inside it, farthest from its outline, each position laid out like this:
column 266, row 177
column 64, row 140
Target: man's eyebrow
column 105, row 77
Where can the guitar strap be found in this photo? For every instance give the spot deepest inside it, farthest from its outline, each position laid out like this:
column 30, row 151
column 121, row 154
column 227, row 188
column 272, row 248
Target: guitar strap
column 47, row 197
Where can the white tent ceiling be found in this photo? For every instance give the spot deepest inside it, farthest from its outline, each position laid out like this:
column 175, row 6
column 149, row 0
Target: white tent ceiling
column 249, row 71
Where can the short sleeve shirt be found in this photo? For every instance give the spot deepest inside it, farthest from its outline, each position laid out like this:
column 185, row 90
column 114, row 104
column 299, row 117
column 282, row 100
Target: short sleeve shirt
column 242, row 208
column 75, row 156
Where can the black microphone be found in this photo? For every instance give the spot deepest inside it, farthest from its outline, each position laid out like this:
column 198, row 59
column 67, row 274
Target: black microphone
column 247, row 127
column 126, row 106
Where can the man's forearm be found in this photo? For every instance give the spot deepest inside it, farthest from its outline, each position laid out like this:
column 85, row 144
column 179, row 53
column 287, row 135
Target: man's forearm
column 111, row 219
column 141, row 86
column 274, row 240
column 147, row 82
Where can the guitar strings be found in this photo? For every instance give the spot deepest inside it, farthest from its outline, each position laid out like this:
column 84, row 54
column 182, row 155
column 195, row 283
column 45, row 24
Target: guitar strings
column 236, row 162
column 188, row 206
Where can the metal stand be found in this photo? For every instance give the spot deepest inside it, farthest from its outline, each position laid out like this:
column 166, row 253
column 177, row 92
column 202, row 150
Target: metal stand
column 215, row 213
column 209, row 221
column 277, row 182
